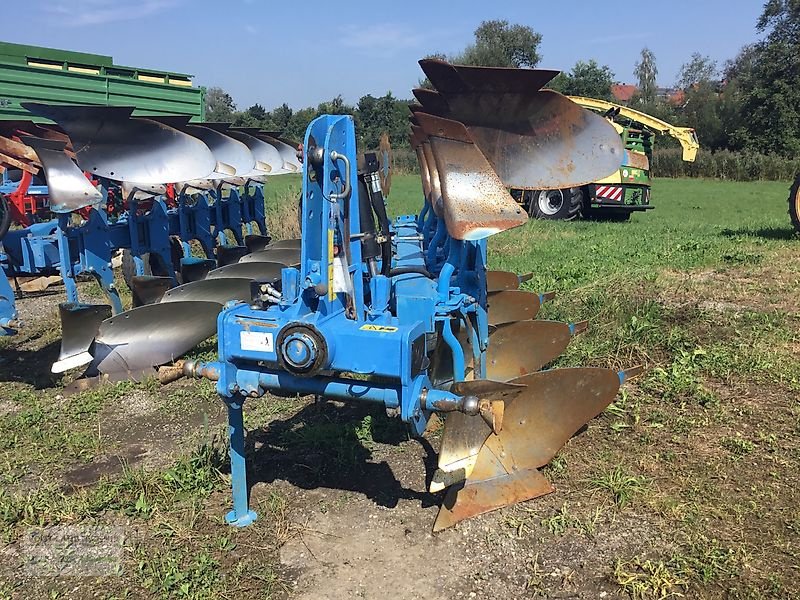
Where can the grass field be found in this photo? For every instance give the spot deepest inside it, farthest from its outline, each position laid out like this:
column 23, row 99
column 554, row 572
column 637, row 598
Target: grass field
column 688, row 484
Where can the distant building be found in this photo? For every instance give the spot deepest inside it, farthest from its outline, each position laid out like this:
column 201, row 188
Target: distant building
column 623, row 93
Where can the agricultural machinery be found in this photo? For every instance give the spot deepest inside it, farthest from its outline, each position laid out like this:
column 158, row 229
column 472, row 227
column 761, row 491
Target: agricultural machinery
column 74, row 225
column 627, row 190
column 405, row 314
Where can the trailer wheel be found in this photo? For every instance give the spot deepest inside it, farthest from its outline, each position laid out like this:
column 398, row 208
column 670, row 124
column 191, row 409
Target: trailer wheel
column 794, row 204
column 556, row 205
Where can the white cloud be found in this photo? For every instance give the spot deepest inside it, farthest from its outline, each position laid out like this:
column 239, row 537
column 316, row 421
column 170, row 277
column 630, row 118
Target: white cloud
column 251, row 29
column 82, row 13
column 383, row 38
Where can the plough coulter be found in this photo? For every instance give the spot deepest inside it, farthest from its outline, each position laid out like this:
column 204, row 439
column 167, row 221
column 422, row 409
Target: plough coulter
column 405, row 314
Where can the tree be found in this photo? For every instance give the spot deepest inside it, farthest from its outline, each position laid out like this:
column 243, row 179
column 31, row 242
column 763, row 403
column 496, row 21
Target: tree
column 376, row 115
column 586, row 79
column 281, row 117
column 646, row 72
column 500, row 44
column 767, row 76
column 258, row 112
column 219, row 105
column 700, row 70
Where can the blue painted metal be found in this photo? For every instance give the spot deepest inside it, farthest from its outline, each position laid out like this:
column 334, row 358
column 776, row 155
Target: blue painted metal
column 58, row 247
column 335, row 317
column 8, row 310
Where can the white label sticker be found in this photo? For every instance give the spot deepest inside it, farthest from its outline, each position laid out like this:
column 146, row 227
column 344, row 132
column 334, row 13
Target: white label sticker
column 256, row 341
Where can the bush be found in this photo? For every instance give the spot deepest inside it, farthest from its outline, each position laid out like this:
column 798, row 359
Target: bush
column 724, row 164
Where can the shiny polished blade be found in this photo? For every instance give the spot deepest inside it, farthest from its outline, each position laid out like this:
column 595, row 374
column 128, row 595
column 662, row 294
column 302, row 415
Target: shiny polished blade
column 290, row 244
column 68, row 188
column 148, row 289
column 511, row 306
column 517, row 349
column 264, row 153
column 249, row 270
column 79, row 325
column 195, row 270
column 534, row 139
column 228, row 255
column 225, row 148
column 287, row 153
column 288, row 256
column 211, row 290
column 255, row 242
column 108, row 142
column 152, row 335
column 142, row 191
column 475, row 202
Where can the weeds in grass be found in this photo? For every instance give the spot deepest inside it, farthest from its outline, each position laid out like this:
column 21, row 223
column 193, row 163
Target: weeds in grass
column 564, row 520
column 619, row 484
column 177, row 573
column 137, row 493
column 701, row 561
column 737, row 445
column 643, row 579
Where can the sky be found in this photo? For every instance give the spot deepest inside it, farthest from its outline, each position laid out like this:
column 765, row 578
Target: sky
column 305, row 52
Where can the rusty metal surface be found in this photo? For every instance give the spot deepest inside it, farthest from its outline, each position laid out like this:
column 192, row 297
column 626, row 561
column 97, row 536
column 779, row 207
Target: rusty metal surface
column 152, row 335
column 553, row 407
column 430, row 101
column 109, row 143
column 464, row 434
column 498, row 281
column 518, row 349
column 475, row 203
column 533, row 139
column 287, row 256
column 538, row 422
column 510, row 306
column 249, row 270
column 479, row 497
column 449, row 78
column 211, row 290
column 385, row 173
column 434, row 180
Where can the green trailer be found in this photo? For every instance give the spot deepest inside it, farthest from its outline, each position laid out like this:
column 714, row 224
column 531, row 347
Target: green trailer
column 37, row 74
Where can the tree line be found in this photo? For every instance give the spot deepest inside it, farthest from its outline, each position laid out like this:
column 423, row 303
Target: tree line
column 749, row 103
